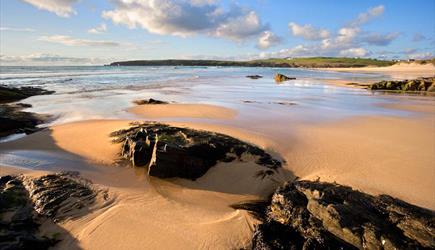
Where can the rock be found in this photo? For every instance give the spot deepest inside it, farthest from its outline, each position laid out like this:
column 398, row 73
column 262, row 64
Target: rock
column 12, row 119
column 420, row 84
column 254, row 76
column 18, row 220
column 26, row 203
column 282, row 78
column 56, row 196
column 181, row 152
column 319, row 215
column 11, row 94
column 149, row 101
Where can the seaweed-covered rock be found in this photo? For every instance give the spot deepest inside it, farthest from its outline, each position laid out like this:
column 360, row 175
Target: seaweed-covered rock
column 318, row 215
column 282, row 78
column 169, row 151
column 419, row 84
column 149, row 101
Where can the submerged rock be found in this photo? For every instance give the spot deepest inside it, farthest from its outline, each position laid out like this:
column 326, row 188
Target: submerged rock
column 282, row 78
column 27, row 203
column 318, row 215
column 181, row 152
column 419, row 84
column 149, row 101
column 254, row 76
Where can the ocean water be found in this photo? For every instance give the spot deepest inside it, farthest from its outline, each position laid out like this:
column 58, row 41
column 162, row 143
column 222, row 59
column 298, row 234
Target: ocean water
column 102, row 92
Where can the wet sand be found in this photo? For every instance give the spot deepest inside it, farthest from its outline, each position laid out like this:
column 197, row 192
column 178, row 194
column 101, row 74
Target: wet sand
column 183, row 110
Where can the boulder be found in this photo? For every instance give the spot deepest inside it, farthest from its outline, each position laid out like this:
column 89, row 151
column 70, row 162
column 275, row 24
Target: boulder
column 282, row 78
column 170, row 152
column 254, row 76
column 319, row 215
column 149, row 101
column 420, row 84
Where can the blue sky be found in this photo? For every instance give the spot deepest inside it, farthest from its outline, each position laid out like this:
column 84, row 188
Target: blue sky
column 38, row 32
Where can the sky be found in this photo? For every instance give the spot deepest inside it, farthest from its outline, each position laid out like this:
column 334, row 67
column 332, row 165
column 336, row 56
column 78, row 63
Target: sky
column 83, row 32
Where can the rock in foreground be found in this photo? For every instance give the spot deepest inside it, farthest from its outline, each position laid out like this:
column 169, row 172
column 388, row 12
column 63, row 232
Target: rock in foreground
column 10, row 94
column 317, row 215
column 26, row 203
column 170, row 151
column 419, row 84
column 282, row 78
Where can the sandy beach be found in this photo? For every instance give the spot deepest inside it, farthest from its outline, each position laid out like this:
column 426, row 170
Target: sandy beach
column 378, row 144
column 392, row 155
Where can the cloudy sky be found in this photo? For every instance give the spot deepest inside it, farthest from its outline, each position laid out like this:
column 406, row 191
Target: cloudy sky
column 57, row 32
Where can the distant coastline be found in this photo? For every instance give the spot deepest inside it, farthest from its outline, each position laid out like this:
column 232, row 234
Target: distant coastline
column 309, row 62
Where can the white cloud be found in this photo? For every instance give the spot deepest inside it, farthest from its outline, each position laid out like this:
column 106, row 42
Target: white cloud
column 99, row 29
column 308, row 32
column 380, row 39
column 70, row 41
column 353, row 52
column 185, row 18
column 418, row 37
column 61, row 8
column 369, row 15
column 52, row 59
column 268, row 39
column 16, row 29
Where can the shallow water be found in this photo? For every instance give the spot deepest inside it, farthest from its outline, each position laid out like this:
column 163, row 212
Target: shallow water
column 99, row 92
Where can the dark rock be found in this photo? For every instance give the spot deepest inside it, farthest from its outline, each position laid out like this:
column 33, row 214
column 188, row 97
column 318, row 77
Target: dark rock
column 149, row 101
column 181, row 152
column 18, row 220
column 11, row 94
column 420, row 84
column 254, row 76
column 318, row 215
column 26, row 203
column 282, row 78
column 12, row 119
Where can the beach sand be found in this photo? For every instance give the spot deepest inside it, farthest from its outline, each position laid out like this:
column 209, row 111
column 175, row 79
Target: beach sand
column 183, row 110
column 399, row 71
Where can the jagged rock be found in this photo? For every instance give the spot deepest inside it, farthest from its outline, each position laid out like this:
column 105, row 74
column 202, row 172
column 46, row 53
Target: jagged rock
column 254, row 76
column 18, row 220
column 319, row 215
column 11, row 94
column 181, row 152
column 149, row 101
column 12, row 119
column 282, row 78
column 57, row 195
column 27, row 202
column 419, row 84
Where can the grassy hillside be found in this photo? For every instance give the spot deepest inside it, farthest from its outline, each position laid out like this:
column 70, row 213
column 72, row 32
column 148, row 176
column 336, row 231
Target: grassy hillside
column 308, row 62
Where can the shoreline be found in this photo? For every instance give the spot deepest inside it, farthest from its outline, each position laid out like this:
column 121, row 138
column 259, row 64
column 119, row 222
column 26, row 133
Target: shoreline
column 393, row 156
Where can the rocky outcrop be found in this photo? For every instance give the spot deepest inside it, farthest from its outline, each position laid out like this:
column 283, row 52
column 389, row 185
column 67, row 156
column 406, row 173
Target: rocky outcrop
column 254, row 76
column 318, row 215
column 12, row 119
column 419, row 84
column 169, row 151
column 11, row 94
column 282, row 78
column 149, row 101
column 26, row 203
